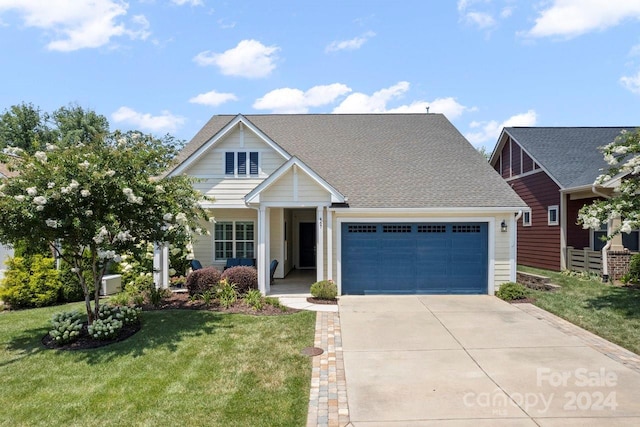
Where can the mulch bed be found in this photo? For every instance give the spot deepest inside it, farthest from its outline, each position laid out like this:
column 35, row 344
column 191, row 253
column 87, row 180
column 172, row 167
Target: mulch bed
column 175, row 301
column 313, row 300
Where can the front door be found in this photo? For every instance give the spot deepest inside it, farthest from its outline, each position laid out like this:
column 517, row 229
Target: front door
column 307, row 238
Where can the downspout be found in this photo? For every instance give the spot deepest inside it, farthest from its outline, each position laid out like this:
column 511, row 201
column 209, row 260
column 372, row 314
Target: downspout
column 514, row 240
column 605, row 249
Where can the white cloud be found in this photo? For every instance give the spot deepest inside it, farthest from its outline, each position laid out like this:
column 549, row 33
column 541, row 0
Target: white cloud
column 213, row 98
column 249, row 58
column 480, row 19
column 571, row 18
column 352, row 44
column 165, row 122
column 189, row 2
column 77, row 25
column 489, row 131
column 289, row 101
column 447, row 106
column 631, row 83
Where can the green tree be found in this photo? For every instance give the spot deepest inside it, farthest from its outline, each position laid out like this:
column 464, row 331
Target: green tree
column 623, row 157
column 101, row 195
column 24, row 126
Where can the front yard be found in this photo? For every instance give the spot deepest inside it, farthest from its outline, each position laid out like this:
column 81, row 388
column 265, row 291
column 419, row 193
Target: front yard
column 612, row 312
column 184, row 367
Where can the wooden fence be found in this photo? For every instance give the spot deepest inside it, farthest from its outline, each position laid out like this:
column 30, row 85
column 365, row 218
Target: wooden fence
column 584, row 260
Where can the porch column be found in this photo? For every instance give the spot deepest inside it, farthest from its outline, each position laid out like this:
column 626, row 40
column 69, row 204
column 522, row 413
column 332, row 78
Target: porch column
column 157, row 264
column 262, row 246
column 267, row 250
column 616, row 241
column 319, row 243
column 165, row 265
column 329, row 244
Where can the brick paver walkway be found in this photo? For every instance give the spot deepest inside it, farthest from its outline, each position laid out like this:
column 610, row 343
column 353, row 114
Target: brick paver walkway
column 328, row 397
column 614, row 351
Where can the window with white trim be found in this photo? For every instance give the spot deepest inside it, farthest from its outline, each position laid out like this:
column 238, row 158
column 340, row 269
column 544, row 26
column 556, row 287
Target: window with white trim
column 552, row 215
column 241, row 163
column 234, row 239
column 526, row 219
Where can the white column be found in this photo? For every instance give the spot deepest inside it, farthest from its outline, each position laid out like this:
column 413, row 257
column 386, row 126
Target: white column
column 157, row 265
column 261, row 258
column 329, row 227
column 267, row 250
column 320, row 243
column 165, row 265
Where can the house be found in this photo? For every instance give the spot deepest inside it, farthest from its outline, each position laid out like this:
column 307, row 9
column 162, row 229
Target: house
column 5, row 251
column 379, row 203
column 553, row 169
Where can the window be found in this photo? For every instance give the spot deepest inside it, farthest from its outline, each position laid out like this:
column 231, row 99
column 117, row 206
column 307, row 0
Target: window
column 235, row 163
column 598, row 236
column 552, row 215
column 234, row 239
column 630, row 240
column 526, row 219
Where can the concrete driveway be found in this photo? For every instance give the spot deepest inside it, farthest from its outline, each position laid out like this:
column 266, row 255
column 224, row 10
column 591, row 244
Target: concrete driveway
column 475, row 361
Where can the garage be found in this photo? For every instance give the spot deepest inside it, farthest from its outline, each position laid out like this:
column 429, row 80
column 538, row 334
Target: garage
column 414, row 258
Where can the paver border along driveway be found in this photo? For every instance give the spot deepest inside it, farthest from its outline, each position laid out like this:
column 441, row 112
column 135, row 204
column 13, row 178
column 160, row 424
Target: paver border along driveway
column 475, row 361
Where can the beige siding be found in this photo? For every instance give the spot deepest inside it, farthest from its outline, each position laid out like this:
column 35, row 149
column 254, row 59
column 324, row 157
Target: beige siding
column 295, row 187
column 203, row 245
column 288, row 252
column 276, row 236
column 226, row 192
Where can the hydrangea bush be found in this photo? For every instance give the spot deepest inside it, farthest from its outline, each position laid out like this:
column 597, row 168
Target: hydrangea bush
column 66, row 326
column 100, row 193
column 623, row 157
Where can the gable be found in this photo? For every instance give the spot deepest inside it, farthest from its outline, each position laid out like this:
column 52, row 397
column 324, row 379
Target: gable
column 511, row 161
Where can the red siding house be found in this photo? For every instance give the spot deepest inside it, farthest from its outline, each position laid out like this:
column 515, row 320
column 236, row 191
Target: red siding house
column 553, row 170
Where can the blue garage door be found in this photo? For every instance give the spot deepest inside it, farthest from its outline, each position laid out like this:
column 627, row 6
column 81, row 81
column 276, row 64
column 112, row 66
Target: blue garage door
column 425, row 258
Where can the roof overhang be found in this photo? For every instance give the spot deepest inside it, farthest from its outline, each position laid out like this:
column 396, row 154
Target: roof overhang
column 238, row 120
column 252, row 197
column 437, row 210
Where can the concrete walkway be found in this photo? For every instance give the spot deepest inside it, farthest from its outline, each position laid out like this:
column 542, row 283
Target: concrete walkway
column 475, row 361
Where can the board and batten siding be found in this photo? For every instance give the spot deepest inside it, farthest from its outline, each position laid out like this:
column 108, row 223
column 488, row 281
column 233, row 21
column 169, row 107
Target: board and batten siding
column 539, row 244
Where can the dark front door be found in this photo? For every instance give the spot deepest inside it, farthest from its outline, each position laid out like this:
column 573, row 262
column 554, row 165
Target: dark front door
column 307, row 237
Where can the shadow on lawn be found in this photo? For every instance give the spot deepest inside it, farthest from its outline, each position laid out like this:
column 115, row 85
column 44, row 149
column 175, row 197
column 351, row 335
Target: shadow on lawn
column 165, row 328
column 624, row 300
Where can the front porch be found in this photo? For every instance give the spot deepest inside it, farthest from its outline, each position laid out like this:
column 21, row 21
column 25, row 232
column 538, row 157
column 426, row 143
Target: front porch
column 295, row 284
column 588, row 261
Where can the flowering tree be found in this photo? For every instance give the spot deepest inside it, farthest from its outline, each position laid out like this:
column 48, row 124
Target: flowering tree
column 98, row 197
column 623, row 157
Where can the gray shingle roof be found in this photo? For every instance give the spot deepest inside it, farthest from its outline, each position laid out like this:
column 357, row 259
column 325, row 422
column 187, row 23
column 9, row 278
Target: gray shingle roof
column 569, row 154
column 383, row 160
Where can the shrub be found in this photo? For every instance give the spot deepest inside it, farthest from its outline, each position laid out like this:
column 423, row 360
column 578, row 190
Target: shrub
column 244, row 278
column 254, row 299
column 66, row 326
column 119, row 299
column 634, row 268
column 512, row 291
column 202, row 280
column 157, row 295
column 226, row 293
column 129, row 315
column 105, row 329
column 30, row 282
column 325, row 289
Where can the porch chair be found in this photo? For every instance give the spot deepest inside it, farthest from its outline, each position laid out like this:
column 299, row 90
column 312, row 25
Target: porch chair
column 272, row 270
column 195, row 265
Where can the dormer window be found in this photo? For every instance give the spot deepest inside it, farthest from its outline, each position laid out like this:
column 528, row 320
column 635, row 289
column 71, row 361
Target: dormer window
column 241, row 163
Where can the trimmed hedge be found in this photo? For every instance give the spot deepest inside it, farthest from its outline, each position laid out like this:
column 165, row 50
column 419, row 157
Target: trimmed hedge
column 325, row 289
column 244, row 278
column 30, row 282
column 202, row 280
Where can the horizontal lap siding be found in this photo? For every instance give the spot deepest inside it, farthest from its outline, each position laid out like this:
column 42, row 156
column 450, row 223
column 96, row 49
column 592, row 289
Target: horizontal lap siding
column 538, row 245
column 577, row 236
column 229, row 191
column 281, row 190
column 310, row 191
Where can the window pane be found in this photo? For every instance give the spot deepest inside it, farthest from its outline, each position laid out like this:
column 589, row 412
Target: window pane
column 242, row 163
column 224, row 250
column 228, row 163
column 598, row 244
column 253, row 160
column 630, row 241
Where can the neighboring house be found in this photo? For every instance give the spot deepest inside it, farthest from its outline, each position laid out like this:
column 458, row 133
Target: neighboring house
column 379, row 203
column 553, row 169
column 5, row 251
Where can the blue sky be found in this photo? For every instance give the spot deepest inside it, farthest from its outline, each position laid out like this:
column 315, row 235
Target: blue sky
column 169, row 65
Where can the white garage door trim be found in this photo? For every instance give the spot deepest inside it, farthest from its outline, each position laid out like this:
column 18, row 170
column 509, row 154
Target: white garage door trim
column 491, row 221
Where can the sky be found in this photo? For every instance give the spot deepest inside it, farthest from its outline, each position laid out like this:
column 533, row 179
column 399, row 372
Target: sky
column 167, row 66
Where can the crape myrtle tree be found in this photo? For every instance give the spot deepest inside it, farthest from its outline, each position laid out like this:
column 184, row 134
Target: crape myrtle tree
column 99, row 194
column 623, row 157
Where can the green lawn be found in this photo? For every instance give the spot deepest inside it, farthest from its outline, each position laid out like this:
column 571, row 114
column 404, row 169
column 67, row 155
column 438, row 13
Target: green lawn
column 612, row 312
column 189, row 368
